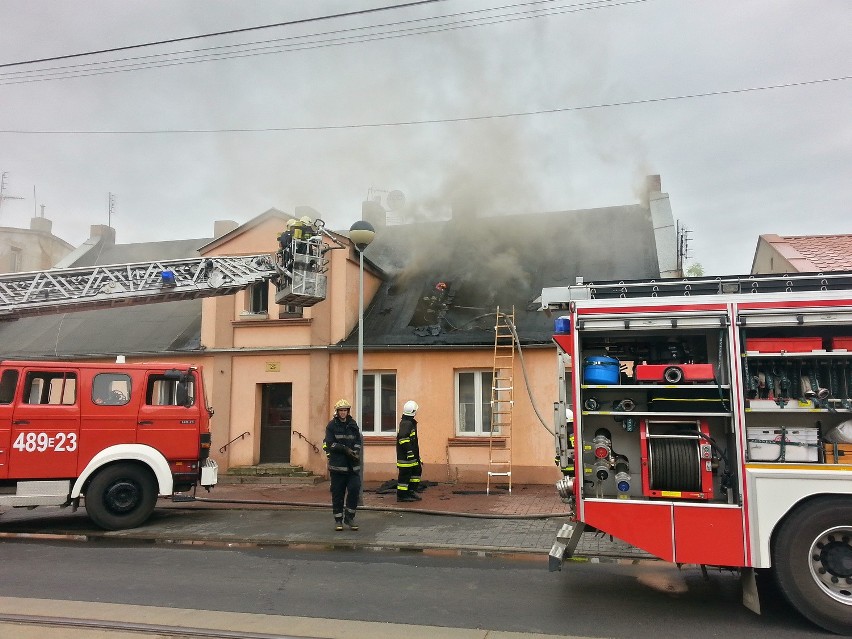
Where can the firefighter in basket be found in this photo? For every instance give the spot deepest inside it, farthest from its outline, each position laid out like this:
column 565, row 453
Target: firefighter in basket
column 342, row 446
column 285, row 242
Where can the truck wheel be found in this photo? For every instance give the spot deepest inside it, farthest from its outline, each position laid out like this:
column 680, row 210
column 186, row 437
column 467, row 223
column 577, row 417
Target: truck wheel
column 812, row 561
column 121, row 496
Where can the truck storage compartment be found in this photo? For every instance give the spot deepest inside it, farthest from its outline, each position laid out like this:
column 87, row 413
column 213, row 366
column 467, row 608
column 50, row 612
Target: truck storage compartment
column 799, row 444
column 783, row 344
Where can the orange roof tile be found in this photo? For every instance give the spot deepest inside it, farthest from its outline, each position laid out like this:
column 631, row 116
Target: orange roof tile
column 825, row 252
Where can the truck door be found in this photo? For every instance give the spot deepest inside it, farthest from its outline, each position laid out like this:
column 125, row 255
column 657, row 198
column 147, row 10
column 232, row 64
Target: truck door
column 108, row 408
column 169, row 417
column 46, row 425
column 8, row 385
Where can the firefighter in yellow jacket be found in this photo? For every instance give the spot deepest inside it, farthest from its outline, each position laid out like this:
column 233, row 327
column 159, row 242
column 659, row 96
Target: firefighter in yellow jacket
column 408, row 463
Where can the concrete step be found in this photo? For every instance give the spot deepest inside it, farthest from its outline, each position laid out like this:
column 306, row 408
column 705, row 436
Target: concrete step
column 266, row 469
column 269, row 474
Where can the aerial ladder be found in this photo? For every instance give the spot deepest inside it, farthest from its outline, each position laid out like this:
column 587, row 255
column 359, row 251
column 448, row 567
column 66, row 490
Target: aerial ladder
column 502, row 400
column 300, row 281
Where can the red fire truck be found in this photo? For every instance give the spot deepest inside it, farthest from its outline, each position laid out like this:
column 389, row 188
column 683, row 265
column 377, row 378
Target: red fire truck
column 120, row 435
column 707, row 421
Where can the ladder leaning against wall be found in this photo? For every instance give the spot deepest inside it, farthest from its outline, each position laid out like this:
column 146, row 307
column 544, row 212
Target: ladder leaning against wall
column 502, row 400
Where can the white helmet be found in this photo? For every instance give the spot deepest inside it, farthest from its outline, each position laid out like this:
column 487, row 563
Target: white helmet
column 410, row 408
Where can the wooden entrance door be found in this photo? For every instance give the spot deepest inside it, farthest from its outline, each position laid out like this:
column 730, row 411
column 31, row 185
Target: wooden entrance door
column 276, row 422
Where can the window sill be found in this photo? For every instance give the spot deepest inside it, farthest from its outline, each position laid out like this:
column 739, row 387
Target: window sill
column 379, row 440
column 257, row 320
column 477, row 441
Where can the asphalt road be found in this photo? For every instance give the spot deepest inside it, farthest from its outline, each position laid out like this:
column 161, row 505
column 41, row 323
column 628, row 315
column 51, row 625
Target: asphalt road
column 585, row 599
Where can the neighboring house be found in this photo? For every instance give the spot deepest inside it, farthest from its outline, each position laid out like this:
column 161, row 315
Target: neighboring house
column 802, row 254
column 32, row 249
column 431, row 291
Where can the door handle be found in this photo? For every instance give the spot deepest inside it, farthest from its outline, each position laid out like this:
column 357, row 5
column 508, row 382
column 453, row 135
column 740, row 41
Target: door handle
column 21, row 422
column 146, row 422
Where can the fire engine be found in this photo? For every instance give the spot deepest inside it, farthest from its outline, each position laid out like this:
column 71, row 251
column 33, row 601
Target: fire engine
column 121, row 435
column 709, row 421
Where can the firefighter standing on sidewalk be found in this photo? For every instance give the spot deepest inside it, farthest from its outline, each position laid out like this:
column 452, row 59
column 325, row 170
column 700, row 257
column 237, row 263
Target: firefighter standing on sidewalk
column 408, row 463
column 342, row 446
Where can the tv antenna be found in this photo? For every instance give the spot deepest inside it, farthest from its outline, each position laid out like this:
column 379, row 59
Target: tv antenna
column 3, row 196
column 111, row 209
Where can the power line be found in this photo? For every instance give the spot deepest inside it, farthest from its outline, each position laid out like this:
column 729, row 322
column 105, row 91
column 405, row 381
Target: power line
column 289, row 23
column 331, row 127
column 298, row 37
column 147, row 62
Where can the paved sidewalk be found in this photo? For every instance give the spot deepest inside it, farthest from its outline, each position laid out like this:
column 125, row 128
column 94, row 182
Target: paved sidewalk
column 450, row 518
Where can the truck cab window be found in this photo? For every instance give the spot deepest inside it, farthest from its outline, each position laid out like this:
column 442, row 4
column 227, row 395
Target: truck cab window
column 50, row 387
column 8, row 383
column 163, row 391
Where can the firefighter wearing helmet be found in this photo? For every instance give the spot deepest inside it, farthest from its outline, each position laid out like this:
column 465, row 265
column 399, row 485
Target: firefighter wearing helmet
column 285, row 241
column 408, row 464
column 342, row 446
column 307, row 225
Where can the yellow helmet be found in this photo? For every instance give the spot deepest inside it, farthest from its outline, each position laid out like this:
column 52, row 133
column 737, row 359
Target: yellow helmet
column 341, row 403
column 306, row 220
column 291, row 222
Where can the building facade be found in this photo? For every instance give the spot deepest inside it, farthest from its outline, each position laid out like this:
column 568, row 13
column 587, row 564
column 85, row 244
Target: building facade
column 432, row 290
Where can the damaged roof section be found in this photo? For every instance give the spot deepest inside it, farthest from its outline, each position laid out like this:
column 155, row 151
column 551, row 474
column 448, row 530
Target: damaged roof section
column 446, row 279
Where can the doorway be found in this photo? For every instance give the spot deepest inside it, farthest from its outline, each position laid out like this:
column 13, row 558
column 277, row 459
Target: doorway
column 276, row 420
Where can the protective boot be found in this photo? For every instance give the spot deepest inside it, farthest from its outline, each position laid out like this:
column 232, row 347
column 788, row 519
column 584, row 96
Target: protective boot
column 349, row 520
column 406, row 496
column 338, row 523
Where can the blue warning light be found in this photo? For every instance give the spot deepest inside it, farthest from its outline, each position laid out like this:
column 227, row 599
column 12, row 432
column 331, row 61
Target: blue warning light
column 168, row 278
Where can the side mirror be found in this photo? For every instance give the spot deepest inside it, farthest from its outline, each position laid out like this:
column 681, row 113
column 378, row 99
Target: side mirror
column 182, row 392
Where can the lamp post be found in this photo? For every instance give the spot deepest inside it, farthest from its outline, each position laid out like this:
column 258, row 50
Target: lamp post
column 361, row 233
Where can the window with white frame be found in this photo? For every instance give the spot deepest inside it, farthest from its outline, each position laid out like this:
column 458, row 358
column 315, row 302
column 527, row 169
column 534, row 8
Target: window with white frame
column 473, row 403
column 378, row 407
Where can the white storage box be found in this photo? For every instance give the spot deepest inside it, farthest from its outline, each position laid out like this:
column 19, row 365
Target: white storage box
column 803, row 445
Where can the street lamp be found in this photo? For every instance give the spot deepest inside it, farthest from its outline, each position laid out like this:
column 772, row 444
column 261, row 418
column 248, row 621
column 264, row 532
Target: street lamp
column 361, row 233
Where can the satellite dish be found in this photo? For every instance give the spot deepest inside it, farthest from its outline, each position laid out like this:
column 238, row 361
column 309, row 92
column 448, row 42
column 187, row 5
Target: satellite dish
column 395, row 200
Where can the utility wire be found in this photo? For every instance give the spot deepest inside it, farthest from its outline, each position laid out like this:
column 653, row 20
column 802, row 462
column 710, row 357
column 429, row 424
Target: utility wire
column 331, row 127
column 298, row 37
column 290, row 44
column 289, row 23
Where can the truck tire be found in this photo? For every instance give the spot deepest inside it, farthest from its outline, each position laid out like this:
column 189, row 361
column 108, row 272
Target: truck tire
column 812, row 562
column 121, row 496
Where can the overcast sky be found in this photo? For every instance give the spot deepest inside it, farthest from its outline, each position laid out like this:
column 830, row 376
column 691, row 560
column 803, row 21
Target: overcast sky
column 735, row 165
